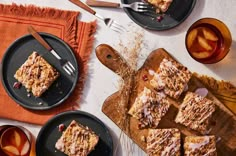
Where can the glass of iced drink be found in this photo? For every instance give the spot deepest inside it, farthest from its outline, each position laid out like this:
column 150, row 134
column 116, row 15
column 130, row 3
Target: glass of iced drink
column 14, row 141
column 208, row 40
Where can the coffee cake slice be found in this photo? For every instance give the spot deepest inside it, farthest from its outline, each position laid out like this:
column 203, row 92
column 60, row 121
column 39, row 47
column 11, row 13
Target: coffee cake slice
column 77, row 140
column 163, row 142
column 199, row 146
column 160, row 5
column 149, row 107
column 195, row 112
column 36, row 74
column 172, row 77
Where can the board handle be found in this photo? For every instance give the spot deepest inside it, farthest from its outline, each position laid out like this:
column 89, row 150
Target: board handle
column 113, row 60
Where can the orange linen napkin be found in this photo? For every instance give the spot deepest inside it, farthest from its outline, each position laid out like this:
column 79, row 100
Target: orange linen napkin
column 14, row 21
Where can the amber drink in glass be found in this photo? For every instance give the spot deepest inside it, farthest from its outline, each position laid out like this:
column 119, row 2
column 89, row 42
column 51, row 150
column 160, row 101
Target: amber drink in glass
column 14, row 141
column 208, row 40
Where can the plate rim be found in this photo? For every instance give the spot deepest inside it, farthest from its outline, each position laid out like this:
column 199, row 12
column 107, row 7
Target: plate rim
column 79, row 112
column 161, row 28
column 3, row 61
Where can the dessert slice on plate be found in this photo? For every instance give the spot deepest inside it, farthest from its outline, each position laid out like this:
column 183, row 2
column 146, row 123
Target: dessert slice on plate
column 172, row 77
column 149, row 107
column 36, row 74
column 160, row 5
column 195, row 112
column 163, row 142
column 77, row 140
column 200, row 145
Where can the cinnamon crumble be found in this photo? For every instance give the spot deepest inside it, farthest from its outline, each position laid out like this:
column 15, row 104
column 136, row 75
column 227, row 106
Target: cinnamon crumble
column 77, row 140
column 172, row 77
column 164, row 142
column 149, row 107
column 36, row 74
column 200, row 145
column 195, row 112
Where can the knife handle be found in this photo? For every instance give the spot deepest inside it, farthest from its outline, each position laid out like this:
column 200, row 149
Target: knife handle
column 95, row 3
column 35, row 34
column 113, row 60
column 83, row 6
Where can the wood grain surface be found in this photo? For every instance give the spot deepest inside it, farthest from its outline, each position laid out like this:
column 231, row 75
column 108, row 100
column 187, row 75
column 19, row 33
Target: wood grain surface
column 222, row 123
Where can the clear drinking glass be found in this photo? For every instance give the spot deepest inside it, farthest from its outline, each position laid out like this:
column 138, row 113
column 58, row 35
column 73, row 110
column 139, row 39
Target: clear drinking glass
column 208, row 40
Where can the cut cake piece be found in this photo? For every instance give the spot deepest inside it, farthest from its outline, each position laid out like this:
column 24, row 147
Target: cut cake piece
column 149, row 107
column 164, row 142
column 160, row 5
column 172, row 77
column 195, row 112
column 77, row 140
column 199, row 146
column 36, row 74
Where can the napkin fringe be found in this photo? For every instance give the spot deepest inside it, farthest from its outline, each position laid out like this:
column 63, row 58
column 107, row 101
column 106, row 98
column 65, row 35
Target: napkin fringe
column 33, row 11
column 87, row 31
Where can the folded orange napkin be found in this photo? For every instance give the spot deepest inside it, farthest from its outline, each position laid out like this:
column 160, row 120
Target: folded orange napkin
column 14, row 21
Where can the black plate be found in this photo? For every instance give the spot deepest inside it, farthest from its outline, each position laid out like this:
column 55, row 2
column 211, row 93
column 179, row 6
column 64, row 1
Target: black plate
column 177, row 13
column 49, row 134
column 18, row 53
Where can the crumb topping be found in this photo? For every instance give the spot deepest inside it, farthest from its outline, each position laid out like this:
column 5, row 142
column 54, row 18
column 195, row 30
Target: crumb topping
column 200, row 145
column 172, row 77
column 163, row 142
column 36, row 74
column 161, row 5
column 195, row 112
column 149, row 107
column 77, row 140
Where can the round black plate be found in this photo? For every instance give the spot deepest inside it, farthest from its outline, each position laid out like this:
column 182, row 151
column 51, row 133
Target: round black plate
column 18, row 53
column 177, row 13
column 49, row 134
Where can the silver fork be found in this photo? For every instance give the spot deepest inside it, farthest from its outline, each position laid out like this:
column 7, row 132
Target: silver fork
column 108, row 21
column 136, row 6
column 66, row 65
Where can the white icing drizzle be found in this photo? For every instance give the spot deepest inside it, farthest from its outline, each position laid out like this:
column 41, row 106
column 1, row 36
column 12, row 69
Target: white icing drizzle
column 166, row 138
column 194, row 146
column 74, row 142
column 168, row 149
column 209, row 151
column 60, row 144
column 151, row 72
column 194, row 111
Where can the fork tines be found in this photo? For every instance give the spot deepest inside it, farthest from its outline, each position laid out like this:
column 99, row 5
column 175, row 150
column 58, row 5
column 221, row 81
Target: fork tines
column 142, row 7
column 115, row 26
column 69, row 68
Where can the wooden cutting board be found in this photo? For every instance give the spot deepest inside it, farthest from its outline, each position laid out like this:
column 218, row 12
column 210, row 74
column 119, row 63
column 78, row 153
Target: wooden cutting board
column 222, row 123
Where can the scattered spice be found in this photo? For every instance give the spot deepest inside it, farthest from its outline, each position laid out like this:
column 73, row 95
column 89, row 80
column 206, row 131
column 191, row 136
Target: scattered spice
column 130, row 47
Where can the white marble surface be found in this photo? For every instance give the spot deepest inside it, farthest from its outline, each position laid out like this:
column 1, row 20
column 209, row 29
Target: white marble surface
column 102, row 82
